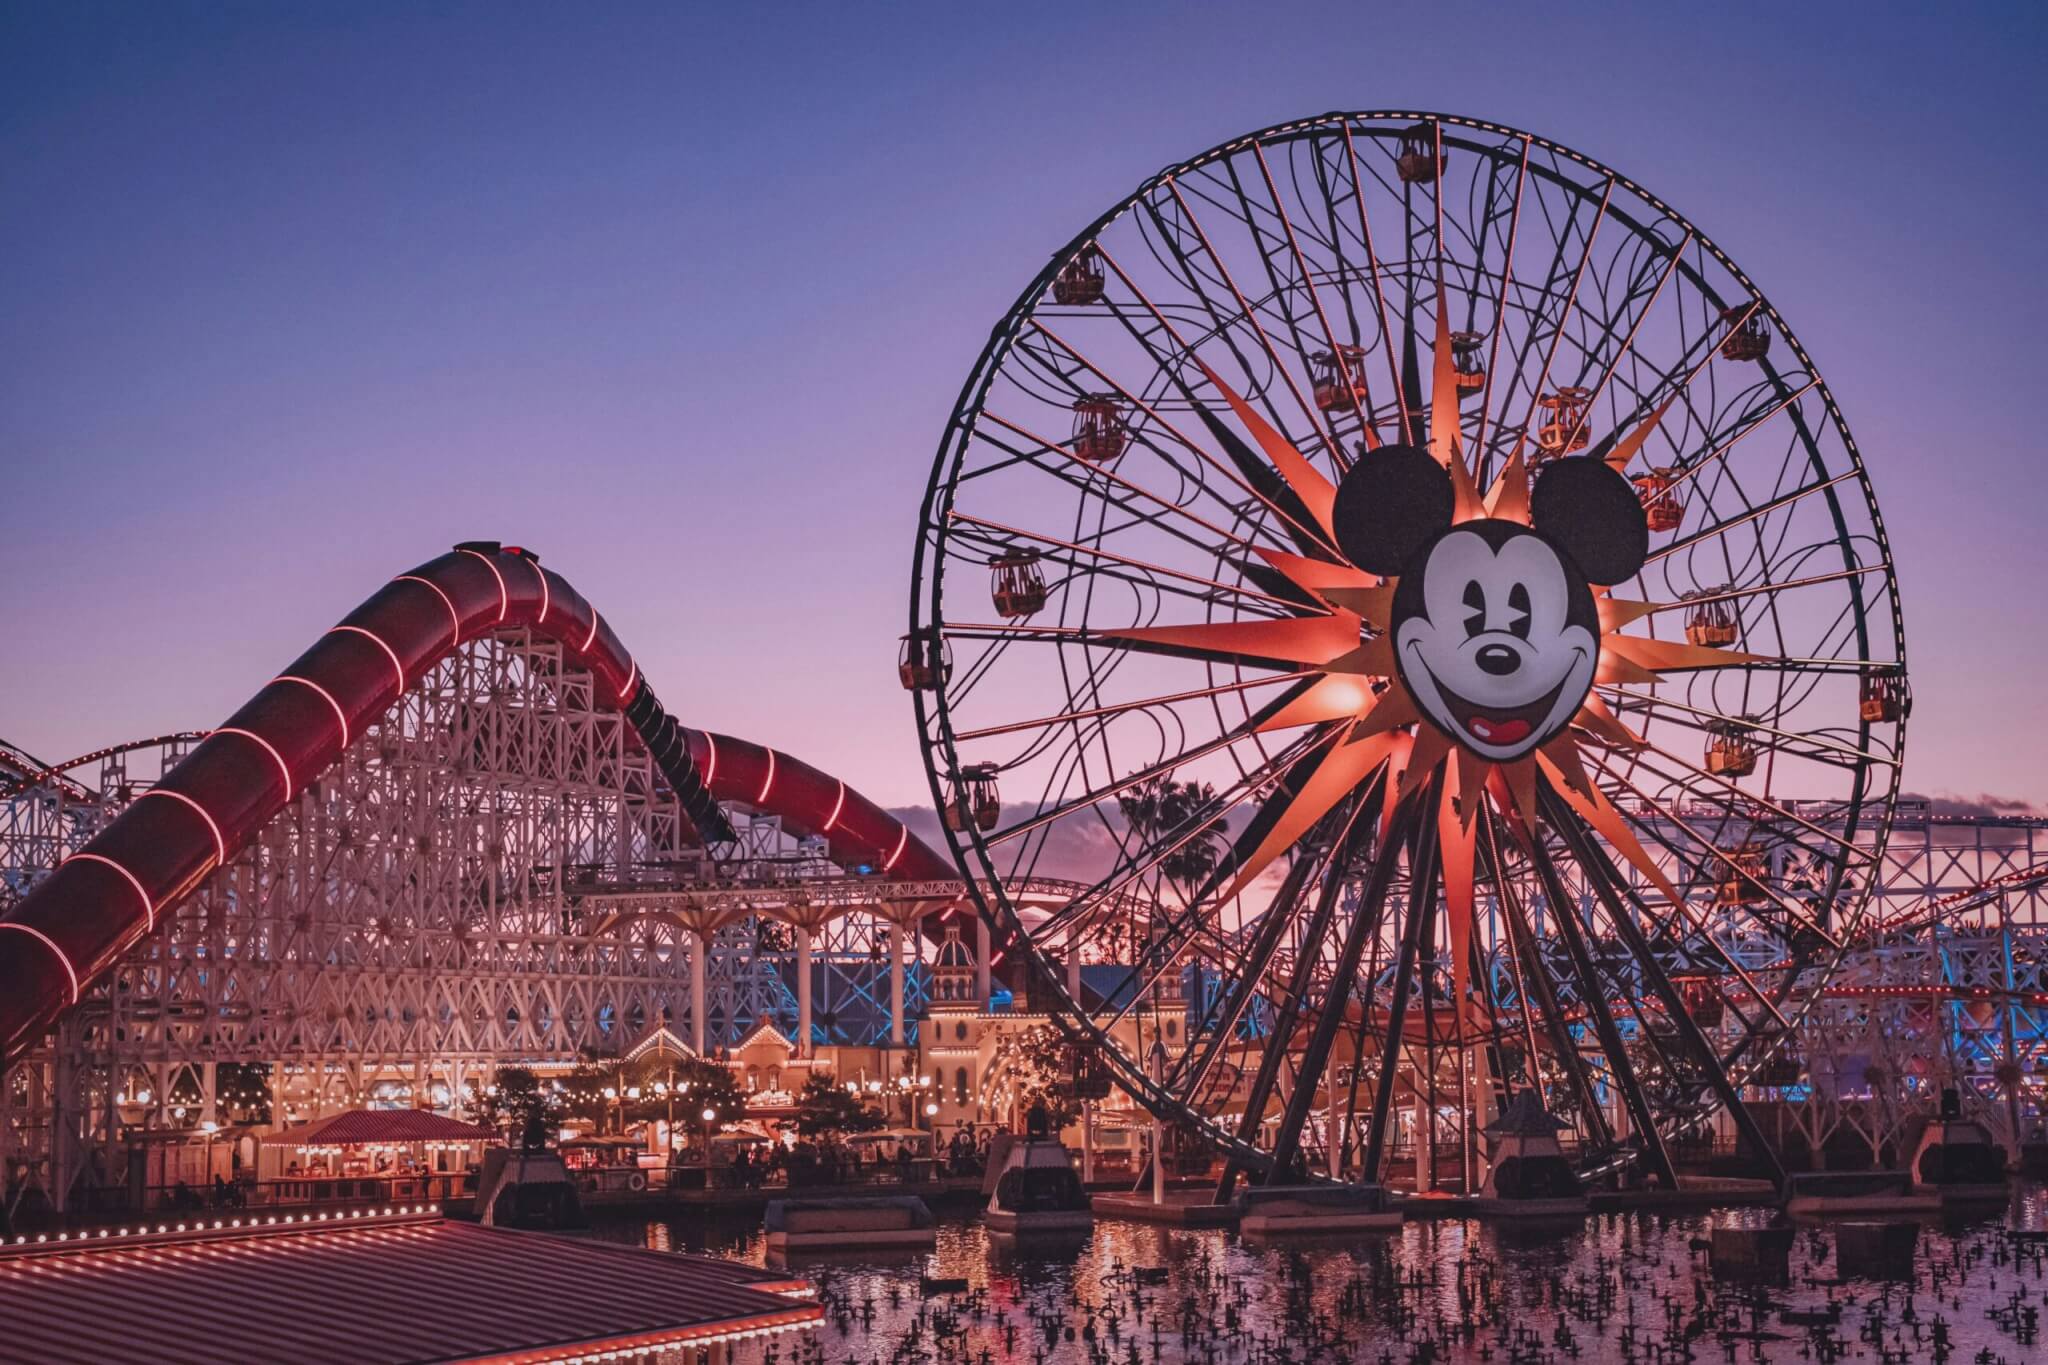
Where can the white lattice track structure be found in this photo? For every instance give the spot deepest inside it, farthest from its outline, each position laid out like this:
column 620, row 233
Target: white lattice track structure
column 403, row 928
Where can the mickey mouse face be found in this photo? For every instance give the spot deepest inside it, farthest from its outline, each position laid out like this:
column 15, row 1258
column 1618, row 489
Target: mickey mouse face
column 1495, row 632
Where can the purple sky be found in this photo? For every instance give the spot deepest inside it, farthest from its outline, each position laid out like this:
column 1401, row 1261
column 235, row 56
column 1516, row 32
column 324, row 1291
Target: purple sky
column 295, row 296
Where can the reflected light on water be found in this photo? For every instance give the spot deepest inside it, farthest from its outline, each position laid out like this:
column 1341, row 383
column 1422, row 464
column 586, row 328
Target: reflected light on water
column 1610, row 1288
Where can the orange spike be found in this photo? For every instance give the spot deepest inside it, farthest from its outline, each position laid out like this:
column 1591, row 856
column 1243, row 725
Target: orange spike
column 1374, row 604
column 1625, row 449
column 1344, row 697
column 1342, row 769
column 1466, row 504
column 1396, row 708
column 1616, row 612
column 1605, row 725
column 1592, row 804
column 1400, row 749
column 1318, row 576
column 1431, row 746
column 1665, row 656
column 1317, row 493
column 1514, row 790
column 1508, row 500
column 1469, row 783
column 1456, row 839
column 1618, row 668
column 1373, row 658
column 1443, row 391
column 1300, row 639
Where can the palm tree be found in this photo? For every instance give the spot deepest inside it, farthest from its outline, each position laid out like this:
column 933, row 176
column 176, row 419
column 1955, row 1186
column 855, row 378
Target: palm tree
column 1161, row 810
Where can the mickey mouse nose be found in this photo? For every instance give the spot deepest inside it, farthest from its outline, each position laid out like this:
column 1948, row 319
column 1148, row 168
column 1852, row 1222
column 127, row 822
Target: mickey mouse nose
column 1498, row 660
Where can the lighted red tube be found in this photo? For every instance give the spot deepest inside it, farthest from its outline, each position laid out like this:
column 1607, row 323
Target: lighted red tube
column 860, row 832
column 100, row 902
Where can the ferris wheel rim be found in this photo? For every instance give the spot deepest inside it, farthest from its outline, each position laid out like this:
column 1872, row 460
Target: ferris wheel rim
column 934, row 718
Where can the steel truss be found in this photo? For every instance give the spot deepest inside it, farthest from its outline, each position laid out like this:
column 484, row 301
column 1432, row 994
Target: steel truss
column 408, row 923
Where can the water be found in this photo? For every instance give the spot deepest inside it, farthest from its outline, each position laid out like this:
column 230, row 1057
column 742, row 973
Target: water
column 1618, row 1287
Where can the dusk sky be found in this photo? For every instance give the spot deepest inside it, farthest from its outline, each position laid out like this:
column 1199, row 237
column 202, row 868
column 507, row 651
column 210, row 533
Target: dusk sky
column 294, row 296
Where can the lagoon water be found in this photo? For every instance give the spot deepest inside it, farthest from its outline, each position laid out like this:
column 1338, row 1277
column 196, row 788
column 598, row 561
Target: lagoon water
column 1616, row 1287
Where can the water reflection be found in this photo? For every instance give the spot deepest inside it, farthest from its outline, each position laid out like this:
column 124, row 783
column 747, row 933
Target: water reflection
column 1618, row 1287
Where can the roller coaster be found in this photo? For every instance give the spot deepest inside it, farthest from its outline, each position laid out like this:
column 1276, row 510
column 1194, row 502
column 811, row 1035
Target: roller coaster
column 497, row 848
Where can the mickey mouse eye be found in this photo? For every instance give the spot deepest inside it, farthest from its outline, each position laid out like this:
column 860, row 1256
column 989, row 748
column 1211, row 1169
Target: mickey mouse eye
column 1475, row 603
column 1518, row 607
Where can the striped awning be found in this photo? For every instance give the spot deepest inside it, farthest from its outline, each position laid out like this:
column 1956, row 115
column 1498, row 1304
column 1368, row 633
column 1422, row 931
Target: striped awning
column 377, row 1288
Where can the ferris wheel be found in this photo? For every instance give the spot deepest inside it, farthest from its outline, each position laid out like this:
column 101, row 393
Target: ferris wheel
column 1432, row 584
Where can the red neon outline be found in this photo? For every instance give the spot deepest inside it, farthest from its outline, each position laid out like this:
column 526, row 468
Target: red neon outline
column 149, row 911
column 389, row 652
column 543, row 574
column 446, row 601
column 711, row 751
column 632, row 676
column 590, row 638
column 220, row 845
column 504, row 597
column 268, row 747
column 339, row 714
column 767, row 783
column 902, row 839
column 838, row 803
column 51, row 944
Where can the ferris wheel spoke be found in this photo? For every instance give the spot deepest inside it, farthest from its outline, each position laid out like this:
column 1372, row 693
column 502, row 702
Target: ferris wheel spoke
column 1532, row 972
column 1817, row 750
column 1606, row 879
column 1628, row 343
column 1767, row 589
column 1621, row 447
column 1241, row 981
column 1366, row 920
column 1307, row 276
column 1005, row 536
column 1200, row 822
column 1736, row 799
column 1593, row 997
column 1749, row 515
column 1302, row 526
column 1379, row 290
column 1250, row 315
column 1166, row 504
column 1139, row 703
column 1700, row 934
column 1338, row 352
column 1690, row 468
column 1500, row 312
column 1571, row 299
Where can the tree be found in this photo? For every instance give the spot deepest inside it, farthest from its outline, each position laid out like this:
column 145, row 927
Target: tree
column 826, row 1109
column 514, row 1099
column 1162, row 810
column 684, row 1086
column 593, row 1090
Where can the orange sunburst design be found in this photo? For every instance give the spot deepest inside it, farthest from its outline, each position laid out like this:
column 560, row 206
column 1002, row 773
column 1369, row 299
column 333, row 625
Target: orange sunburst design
column 1376, row 732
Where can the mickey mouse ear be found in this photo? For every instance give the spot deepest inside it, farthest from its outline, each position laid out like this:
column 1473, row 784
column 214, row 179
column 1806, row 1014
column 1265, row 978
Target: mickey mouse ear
column 1589, row 509
column 1389, row 505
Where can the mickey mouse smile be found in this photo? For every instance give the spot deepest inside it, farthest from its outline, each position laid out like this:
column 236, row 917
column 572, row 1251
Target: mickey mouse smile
column 1494, row 725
